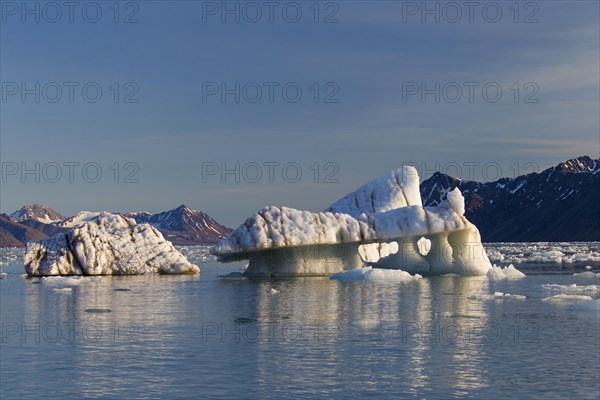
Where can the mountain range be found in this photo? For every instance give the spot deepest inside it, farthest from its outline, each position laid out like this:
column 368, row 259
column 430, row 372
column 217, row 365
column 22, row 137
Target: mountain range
column 181, row 226
column 561, row 203
column 185, row 226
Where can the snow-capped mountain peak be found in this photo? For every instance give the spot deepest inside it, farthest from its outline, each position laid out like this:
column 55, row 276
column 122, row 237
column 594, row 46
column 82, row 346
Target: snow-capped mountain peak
column 557, row 204
column 184, row 225
column 38, row 212
column 579, row 164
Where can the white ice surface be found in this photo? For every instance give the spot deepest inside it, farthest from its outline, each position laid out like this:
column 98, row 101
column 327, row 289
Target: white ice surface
column 498, row 296
column 107, row 245
column 79, row 219
column 544, row 252
column 387, row 209
column 560, row 298
column 66, row 290
column 396, row 189
column 572, row 288
column 372, row 252
column 65, row 281
column 375, row 275
column 499, row 273
column 274, row 227
column 456, row 201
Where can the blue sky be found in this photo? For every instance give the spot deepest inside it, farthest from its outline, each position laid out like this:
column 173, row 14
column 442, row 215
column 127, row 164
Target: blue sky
column 367, row 62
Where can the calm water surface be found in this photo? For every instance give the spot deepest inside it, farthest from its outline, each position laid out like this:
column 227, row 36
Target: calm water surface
column 206, row 337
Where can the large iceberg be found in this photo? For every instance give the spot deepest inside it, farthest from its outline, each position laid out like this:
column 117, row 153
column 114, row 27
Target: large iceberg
column 384, row 218
column 108, row 245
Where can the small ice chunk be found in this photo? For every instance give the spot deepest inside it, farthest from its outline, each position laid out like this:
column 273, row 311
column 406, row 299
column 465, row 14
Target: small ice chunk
column 498, row 296
column 572, row 288
column 66, row 290
column 566, row 298
column 64, row 281
column 499, row 273
column 370, row 274
column 495, row 255
column 587, row 274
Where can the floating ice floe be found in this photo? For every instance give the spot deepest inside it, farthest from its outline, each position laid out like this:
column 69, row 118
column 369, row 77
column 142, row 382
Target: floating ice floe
column 587, row 274
column 498, row 296
column 572, row 288
column 58, row 282
column 544, row 253
column 66, row 290
column 496, row 273
column 374, row 275
column 382, row 224
column 107, row 245
column 559, row 298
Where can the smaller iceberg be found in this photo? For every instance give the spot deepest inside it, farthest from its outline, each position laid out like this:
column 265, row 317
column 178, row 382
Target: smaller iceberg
column 108, row 245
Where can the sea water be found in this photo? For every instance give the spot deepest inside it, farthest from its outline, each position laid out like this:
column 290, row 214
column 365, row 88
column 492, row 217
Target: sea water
column 207, row 336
